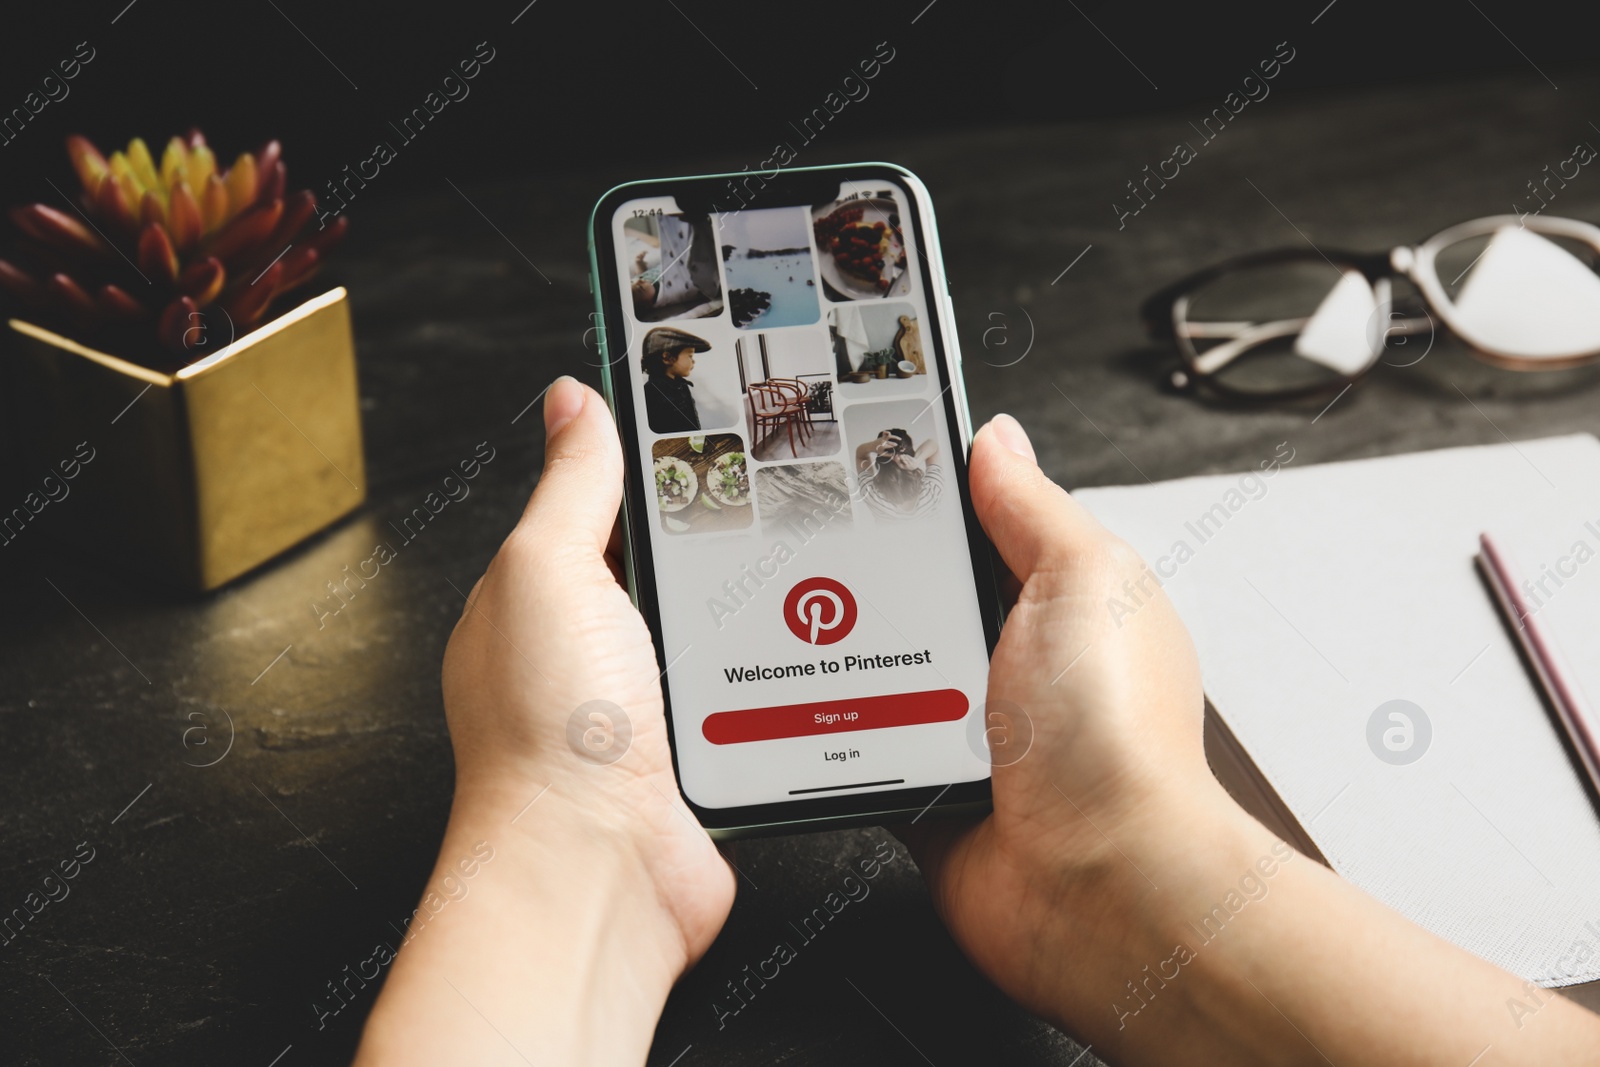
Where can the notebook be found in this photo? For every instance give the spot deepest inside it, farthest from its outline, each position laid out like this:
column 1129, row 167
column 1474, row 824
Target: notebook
column 1327, row 600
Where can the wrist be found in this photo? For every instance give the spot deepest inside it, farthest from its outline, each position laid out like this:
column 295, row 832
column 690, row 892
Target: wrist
column 1187, row 868
column 1174, row 850
column 578, row 852
column 539, row 922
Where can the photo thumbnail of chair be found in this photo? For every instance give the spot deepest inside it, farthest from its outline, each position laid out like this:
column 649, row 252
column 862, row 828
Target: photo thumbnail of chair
column 789, row 394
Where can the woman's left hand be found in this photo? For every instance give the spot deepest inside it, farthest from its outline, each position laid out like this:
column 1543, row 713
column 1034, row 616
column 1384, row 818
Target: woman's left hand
column 603, row 887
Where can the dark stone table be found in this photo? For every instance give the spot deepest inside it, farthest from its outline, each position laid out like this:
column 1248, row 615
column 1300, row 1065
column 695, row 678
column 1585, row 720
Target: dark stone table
column 223, row 899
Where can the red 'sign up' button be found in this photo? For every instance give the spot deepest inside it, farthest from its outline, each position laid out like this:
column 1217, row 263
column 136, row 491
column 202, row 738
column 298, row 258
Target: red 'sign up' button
column 834, row 716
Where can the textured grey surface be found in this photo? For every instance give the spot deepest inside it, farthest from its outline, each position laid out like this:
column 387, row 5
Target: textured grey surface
column 224, row 899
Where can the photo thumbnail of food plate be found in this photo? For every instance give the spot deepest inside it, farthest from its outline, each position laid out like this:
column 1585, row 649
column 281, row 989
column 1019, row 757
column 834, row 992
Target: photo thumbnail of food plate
column 861, row 249
column 702, row 483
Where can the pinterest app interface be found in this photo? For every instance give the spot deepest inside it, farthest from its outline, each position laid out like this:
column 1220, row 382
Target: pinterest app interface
column 819, row 617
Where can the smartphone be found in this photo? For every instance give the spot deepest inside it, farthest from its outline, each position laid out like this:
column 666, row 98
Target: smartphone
column 779, row 352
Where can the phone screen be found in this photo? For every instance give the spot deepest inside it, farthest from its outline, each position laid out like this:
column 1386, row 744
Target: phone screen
column 805, row 516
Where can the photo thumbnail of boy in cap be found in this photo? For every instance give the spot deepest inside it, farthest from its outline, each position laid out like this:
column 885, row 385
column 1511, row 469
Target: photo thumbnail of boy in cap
column 668, row 393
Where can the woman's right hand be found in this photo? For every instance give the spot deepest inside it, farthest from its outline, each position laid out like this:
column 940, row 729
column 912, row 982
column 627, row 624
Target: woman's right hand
column 1110, row 711
column 1118, row 891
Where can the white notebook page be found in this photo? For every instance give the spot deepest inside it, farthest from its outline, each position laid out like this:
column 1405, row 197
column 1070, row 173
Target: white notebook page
column 1319, row 594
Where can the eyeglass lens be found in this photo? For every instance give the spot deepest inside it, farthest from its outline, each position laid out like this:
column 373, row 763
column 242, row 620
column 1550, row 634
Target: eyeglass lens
column 1526, row 295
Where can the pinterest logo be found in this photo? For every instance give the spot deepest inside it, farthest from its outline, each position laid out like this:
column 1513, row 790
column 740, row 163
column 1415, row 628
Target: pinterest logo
column 820, row 611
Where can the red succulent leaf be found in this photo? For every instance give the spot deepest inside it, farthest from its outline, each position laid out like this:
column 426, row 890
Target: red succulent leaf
column 151, row 213
column 115, row 303
column 72, row 296
column 156, row 254
column 329, row 235
column 243, row 182
column 286, row 240
column 273, row 180
column 214, row 203
column 176, row 319
column 58, row 229
column 186, row 225
column 203, row 280
column 268, row 155
column 112, row 207
column 247, row 303
column 87, row 161
column 18, row 282
column 301, row 263
column 297, row 211
column 246, row 231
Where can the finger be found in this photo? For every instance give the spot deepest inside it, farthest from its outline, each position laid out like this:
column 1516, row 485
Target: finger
column 580, row 490
column 1033, row 522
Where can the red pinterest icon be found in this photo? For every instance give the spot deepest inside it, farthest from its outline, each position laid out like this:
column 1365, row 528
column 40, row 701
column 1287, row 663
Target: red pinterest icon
column 820, row 611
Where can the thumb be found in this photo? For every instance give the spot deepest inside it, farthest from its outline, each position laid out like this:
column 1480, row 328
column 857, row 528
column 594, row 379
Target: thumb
column 580, row 490
column 1032, row 521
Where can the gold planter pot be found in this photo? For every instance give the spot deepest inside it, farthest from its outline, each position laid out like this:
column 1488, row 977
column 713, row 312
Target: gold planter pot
column 201, row 475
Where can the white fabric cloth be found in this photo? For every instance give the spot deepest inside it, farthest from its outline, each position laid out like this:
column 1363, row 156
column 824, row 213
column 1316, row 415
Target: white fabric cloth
column 847, row 322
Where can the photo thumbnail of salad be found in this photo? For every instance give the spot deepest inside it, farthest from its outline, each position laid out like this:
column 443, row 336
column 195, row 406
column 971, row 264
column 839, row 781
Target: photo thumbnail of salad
column 702, row 483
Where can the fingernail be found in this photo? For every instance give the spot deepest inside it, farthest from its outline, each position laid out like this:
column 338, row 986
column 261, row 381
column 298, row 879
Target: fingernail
column 1013, row 436
column 562, row 403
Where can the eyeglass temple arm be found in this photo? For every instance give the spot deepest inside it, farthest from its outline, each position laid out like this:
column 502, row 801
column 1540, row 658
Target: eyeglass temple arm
column 1244, row 335
column 1244, row 338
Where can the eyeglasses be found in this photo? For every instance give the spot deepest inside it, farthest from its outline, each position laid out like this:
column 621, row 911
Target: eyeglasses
column 1521, row 291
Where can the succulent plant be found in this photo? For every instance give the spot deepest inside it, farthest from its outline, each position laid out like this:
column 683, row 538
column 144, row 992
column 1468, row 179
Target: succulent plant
column 152, row 247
